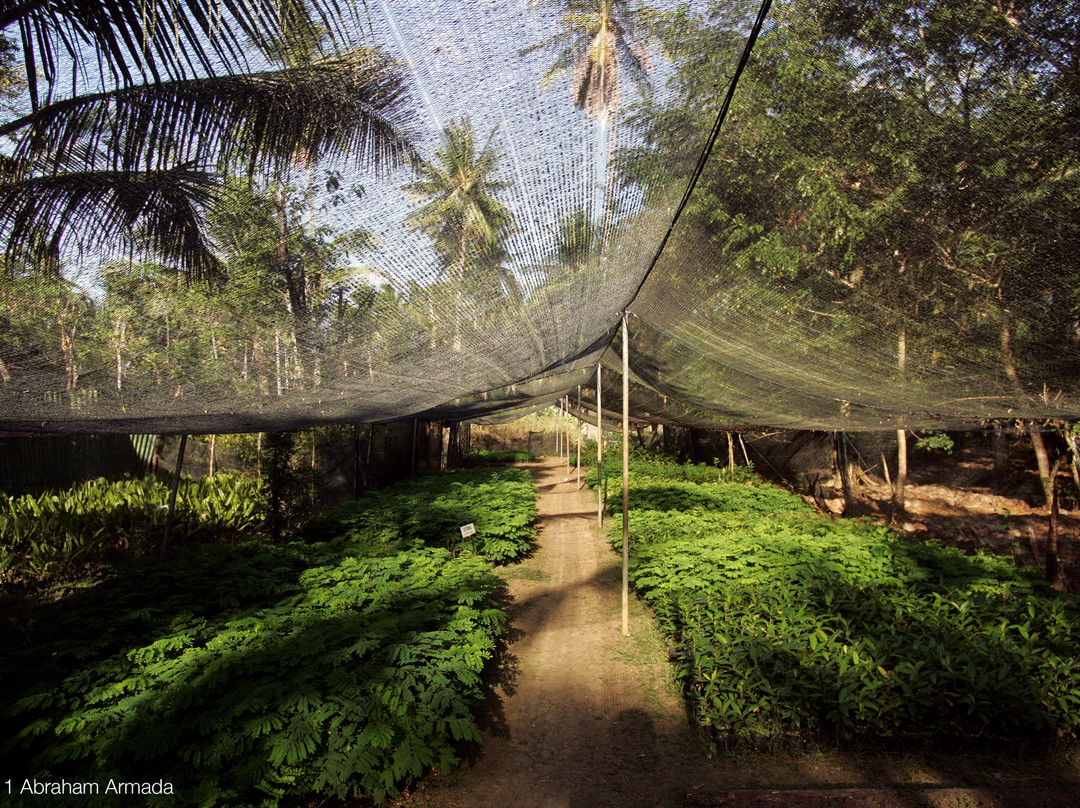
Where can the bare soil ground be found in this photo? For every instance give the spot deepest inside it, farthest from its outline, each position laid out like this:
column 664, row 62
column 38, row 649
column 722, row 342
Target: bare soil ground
column 587, row 718
column 956, row 498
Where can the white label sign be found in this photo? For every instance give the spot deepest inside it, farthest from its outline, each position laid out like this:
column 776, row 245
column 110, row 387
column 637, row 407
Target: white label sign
column 468, row 530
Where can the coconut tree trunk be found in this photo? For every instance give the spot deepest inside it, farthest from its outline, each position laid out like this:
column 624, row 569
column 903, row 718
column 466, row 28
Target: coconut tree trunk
column 609, row 183
column 458, row 281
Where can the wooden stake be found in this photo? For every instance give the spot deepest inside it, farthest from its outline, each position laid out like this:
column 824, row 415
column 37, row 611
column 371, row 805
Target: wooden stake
column 558, row 429
column 599, row 451
column 567, row 441
column 578, row 423
column 625, row 478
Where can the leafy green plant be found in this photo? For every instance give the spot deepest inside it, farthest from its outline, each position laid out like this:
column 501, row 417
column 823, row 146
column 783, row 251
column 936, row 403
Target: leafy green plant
column 244, row 676
column 66, row 533
column 785, row 622
column 934, row 439
column 646, row 466
column 496, row 457
column 430, row 510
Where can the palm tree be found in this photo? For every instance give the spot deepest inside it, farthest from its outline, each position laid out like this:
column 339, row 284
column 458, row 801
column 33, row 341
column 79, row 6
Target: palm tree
column 602, row 42
column 141, row 160
column 578, row 237
column 461, row 214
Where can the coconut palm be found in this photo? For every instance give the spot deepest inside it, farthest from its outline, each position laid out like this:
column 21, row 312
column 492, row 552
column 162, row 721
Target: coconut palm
column 142, row 158
column 602, row 43
column 461, row 214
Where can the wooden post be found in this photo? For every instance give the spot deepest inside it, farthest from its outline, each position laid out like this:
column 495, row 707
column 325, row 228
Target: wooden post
column 578, row 423
column 567, row 441
column 625, row 478
column 558, row 429
column 172, row 495
column 599, row 451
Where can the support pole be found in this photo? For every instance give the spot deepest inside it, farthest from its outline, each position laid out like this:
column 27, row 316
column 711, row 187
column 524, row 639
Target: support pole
column 172, row 494
column 567, row 441
column 625, row 478
column 558, row 429
column 577, row 422
column 599, row 451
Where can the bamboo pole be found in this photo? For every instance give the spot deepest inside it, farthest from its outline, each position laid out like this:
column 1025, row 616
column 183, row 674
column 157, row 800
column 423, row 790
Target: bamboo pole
column 567, row 400
column 558, row 429
column 599, row 451
column 577, row 422
column 625, row 479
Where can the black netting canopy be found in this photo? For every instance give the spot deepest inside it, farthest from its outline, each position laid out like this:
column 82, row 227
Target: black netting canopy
column 223, row 216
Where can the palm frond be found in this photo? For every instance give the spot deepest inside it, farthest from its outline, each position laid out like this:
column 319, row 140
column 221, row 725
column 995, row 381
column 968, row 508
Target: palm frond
column 164, row 208
column 355, row 101
column 140, row 40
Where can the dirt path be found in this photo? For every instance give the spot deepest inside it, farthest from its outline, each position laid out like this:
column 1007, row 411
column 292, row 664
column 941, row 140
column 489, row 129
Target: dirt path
column 591, row 719
column 591, row 716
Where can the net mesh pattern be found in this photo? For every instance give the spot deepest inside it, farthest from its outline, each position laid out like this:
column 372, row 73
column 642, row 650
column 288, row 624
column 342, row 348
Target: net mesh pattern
column 833, row 215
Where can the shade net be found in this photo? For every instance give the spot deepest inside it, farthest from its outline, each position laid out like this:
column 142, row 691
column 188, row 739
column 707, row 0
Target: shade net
column 834, row 215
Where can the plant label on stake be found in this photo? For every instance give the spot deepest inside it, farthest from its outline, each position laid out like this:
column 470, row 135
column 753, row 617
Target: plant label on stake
column 468, row 530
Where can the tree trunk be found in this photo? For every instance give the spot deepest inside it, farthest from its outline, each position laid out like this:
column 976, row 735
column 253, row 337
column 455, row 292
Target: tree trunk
column 842, row 466
column 459, row 282
column 121, row 332
column 1000, row 441
column 1042, row 461
column 1074, row 458
column 899, row 505
column 1052, row 570
column 453, row 445
column 609, row 184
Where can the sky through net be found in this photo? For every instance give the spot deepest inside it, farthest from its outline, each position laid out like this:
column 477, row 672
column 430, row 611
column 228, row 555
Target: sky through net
column 225, row 216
